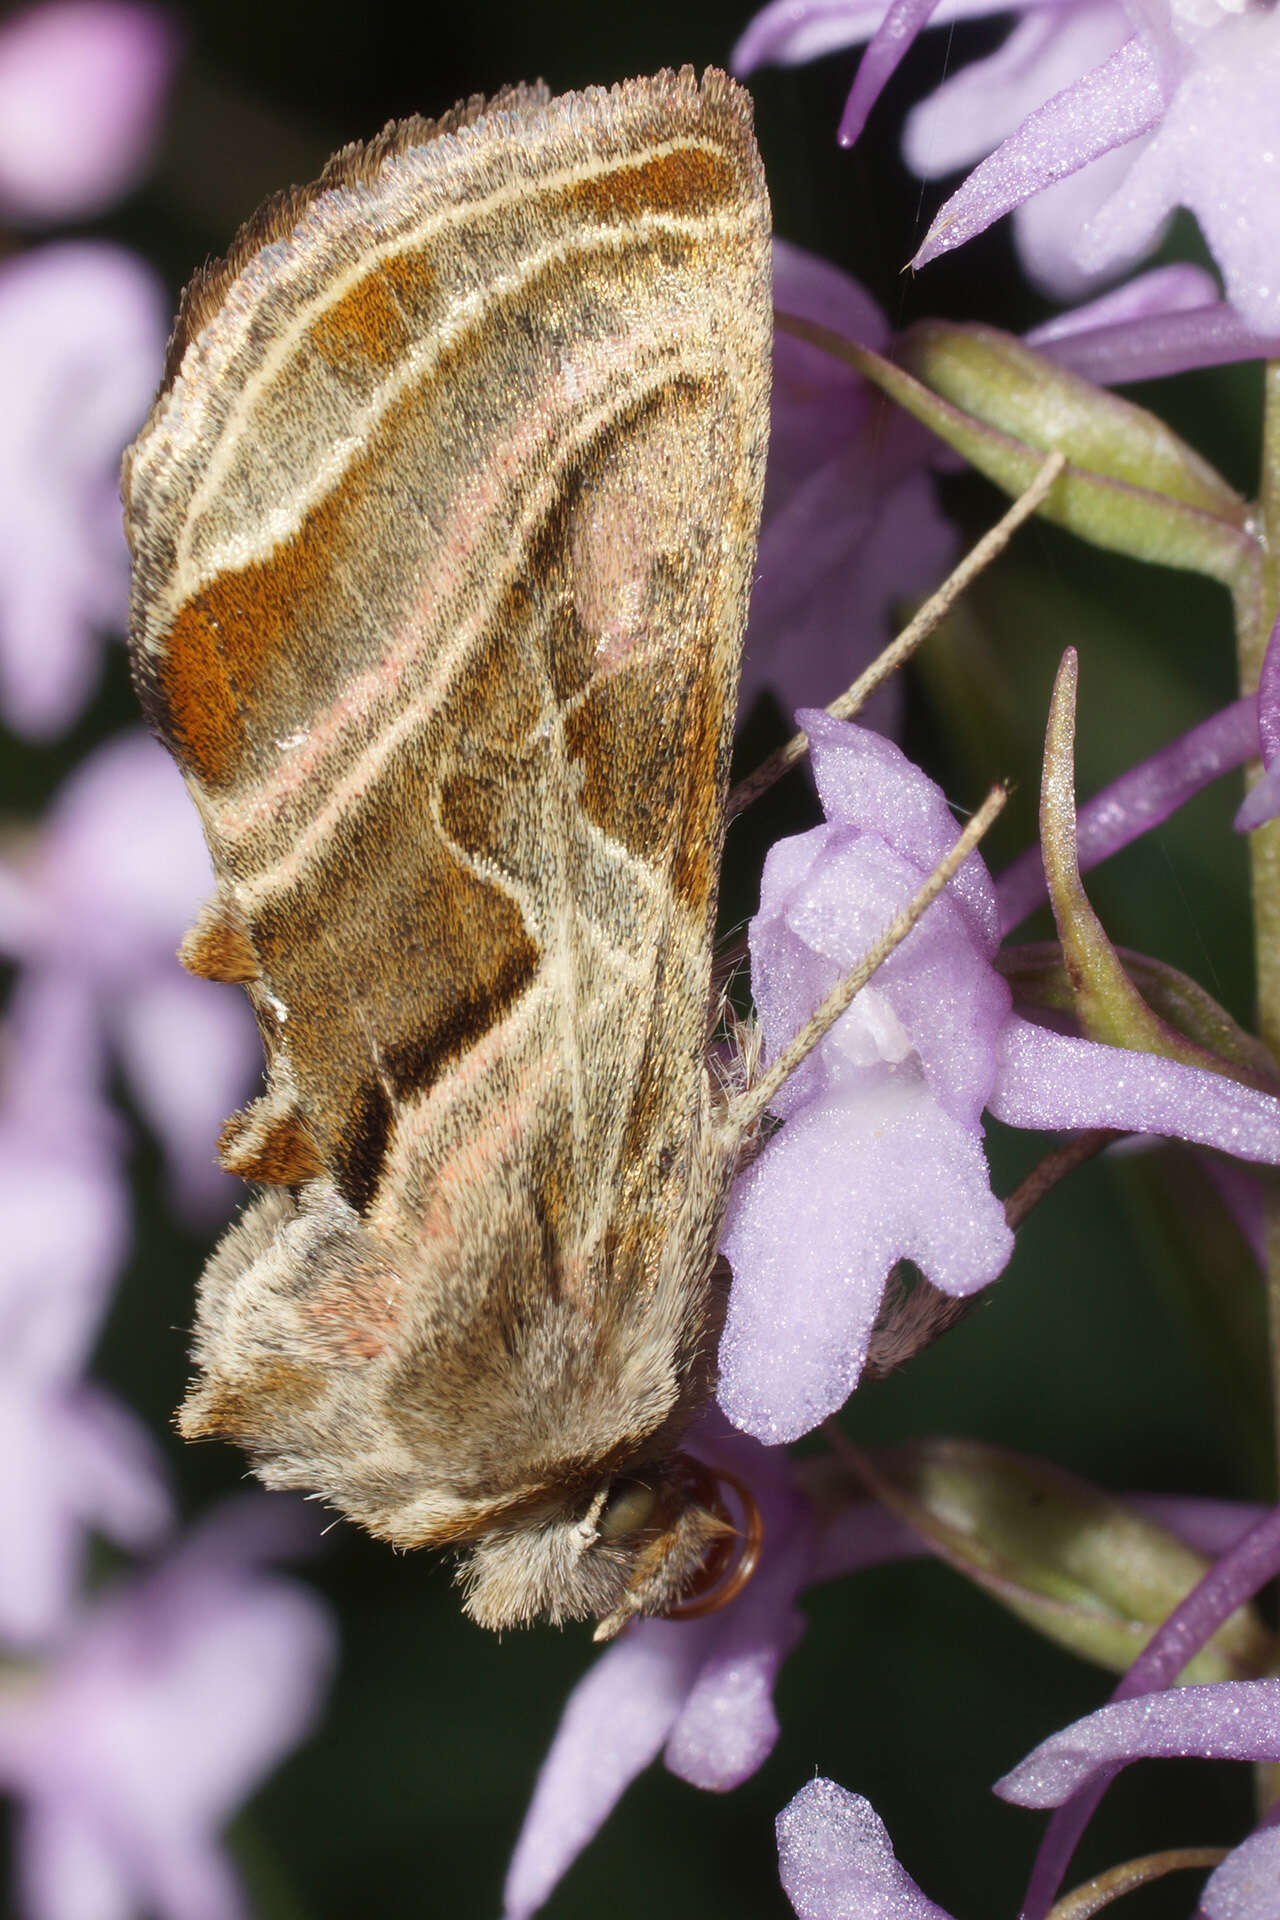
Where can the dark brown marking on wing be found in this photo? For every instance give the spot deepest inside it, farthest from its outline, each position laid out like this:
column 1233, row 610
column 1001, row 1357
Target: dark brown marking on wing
column 251, row 1412
column 361, row 1143
column 442, row 955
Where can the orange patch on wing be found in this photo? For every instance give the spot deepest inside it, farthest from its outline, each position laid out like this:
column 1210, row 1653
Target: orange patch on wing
column 691, row 180
column 225, row 639
column 374, row 318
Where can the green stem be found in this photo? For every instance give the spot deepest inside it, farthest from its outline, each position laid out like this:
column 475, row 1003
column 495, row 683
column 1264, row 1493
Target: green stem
column 1264, row 844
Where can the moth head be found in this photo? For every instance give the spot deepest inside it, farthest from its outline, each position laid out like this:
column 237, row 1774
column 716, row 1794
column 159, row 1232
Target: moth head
column 649, row 1539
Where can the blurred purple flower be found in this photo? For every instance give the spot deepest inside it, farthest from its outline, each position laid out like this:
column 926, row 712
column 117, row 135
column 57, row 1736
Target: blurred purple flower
column 82, row 333
column 175, row 1697
column 1102, row 124
column 881, row 1157
column 98, row 907
column 700, row 1692
column 71, row 1458
column 851, row 526
column 82, row 84
column 837, row 1862
column 1159, row 323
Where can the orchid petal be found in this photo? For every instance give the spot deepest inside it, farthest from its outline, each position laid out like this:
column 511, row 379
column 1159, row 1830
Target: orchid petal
column 887, row 48
column 1215, row 152
column 1177, row 289
column 1247, row 1884
column 837, row 1862
column 82, row 83
column 1114, row 103
column 1052, row 1080
column 1226, row 1720
column 728, row 1725
column 616, row 1720
column 789, row 32
column 814, row 1227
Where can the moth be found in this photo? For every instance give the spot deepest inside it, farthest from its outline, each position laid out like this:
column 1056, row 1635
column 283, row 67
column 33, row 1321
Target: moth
column 443, row 526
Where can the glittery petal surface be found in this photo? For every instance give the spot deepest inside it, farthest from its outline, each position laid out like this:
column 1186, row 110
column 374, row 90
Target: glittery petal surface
column 1228, row 1720
column 837, row 1863
column 1054, row 1080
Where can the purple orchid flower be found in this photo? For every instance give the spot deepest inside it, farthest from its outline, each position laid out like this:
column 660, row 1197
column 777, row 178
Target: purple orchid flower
column 96, row 910
column 82, row 333
column 698, row 1692
column 851, row 527
column 171, row 1701
column 82, row 86
column 1247, row 1565
column 880, row 1157
column 1102, row 122
column 72, row 1460
column 837, row 1862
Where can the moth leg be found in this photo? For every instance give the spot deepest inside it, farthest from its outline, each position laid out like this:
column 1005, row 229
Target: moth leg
column 750, row 1106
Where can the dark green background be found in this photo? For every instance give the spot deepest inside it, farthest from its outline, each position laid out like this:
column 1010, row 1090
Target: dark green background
column 909, row 1686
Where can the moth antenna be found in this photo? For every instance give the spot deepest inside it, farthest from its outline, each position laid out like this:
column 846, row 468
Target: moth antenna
column 899, row 651
column 752, row 1105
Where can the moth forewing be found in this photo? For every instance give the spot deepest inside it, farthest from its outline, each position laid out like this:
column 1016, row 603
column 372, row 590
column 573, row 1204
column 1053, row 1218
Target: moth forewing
column 443, row 526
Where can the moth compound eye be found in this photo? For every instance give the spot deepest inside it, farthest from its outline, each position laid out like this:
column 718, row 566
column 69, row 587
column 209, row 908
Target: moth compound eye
column 629, row 1505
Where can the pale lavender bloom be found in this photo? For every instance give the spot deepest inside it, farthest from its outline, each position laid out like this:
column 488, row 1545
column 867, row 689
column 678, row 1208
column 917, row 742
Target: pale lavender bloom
column 836, row 1859
column 173, row 1699
column 1263, row 801
column 1240, row 1573
column 1142, row 798
column 82, row 84
column 71, row 1458
column 1159, row 323
column 699, row 1692
column 99, row 904
column 82, row 333
column 881, row 1157
column 1225, row 1720
column 837, row 1862
column 1247, row 1884
column 1100, row 130
column 851, row 526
